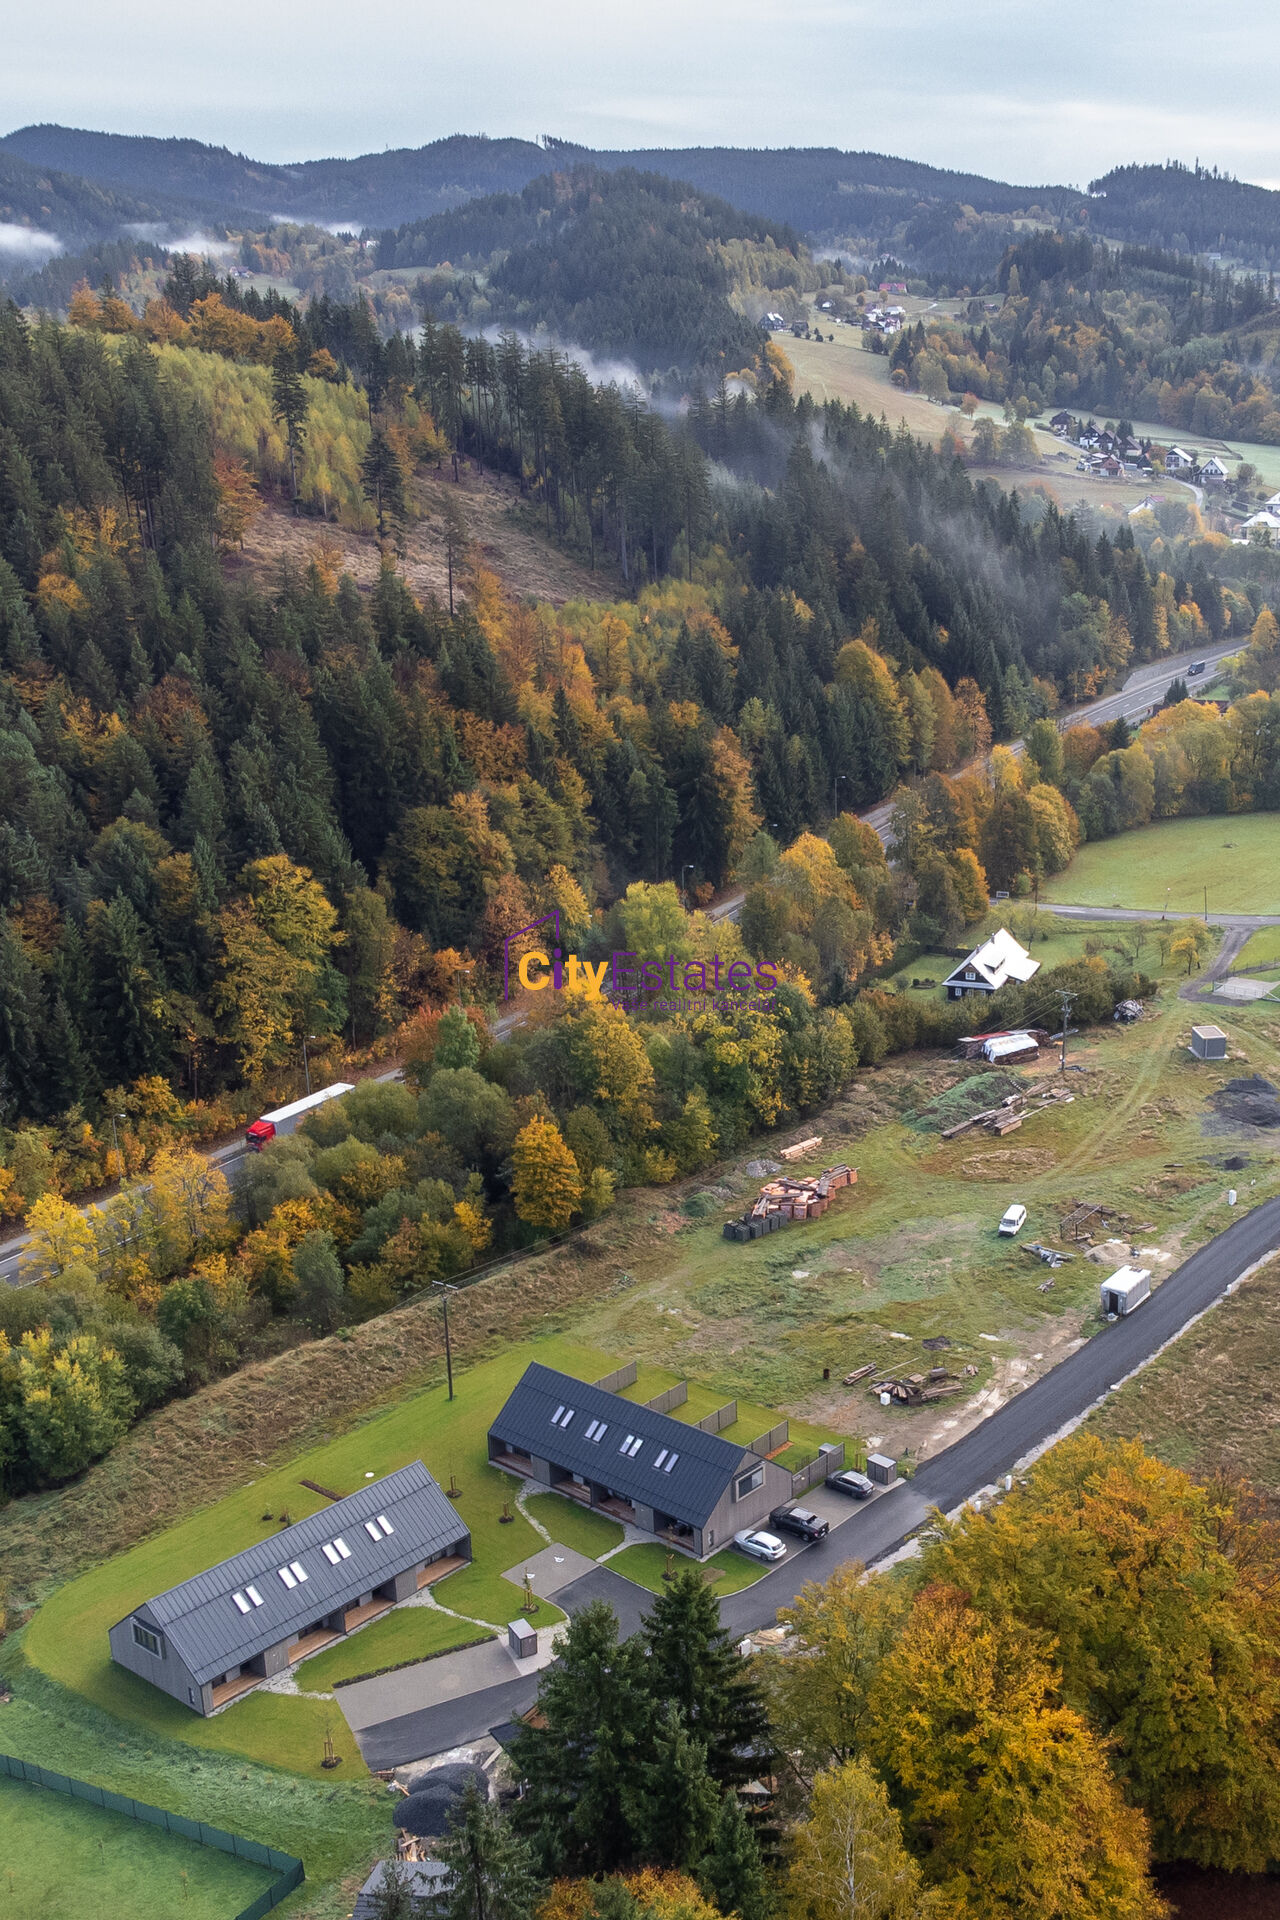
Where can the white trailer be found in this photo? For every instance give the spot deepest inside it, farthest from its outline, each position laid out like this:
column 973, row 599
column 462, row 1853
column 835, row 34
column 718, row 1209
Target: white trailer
column 283, row 1120
column 1127, row 1288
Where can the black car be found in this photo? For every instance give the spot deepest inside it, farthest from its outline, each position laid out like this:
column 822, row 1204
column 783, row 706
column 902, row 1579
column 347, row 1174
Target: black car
column 1197, row 666
column 855, row 1484
column 799, row 1520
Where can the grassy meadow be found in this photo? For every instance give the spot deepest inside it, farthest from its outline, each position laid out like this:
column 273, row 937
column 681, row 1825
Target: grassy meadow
column 1235, row 857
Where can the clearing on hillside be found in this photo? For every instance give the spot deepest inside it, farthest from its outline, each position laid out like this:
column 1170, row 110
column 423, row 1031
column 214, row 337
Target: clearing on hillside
column 1235, row 857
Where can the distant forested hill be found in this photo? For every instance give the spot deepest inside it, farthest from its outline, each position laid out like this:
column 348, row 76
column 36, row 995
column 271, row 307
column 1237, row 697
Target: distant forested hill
column 1190, row 209
column 624, row 262
column 76, row 210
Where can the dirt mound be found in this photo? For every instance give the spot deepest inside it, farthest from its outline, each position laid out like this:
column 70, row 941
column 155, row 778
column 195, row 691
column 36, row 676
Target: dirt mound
column 1004, row 1162
column 1248, row 1102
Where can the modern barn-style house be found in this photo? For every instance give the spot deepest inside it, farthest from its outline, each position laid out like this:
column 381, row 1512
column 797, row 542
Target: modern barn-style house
column 661, row 1475
column 222, row 1632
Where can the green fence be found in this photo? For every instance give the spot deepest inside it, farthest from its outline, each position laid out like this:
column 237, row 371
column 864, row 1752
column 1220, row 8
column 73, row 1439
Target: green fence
column 285, row 1865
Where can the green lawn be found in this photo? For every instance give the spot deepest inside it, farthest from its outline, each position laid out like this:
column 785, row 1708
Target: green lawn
column 1048, row 939
column 67, row 1638
column 1235, row 856
column 60, row 1856
column 647, row 1563
column 571, row 1525
column 408, row 1634
column 1261, row 952
column 754, row 1418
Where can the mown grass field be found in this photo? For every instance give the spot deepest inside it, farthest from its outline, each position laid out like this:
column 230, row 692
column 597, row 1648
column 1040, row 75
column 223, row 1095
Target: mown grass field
column 1261, row 952
column 1050, row 940
column 574, row 1526
column 60, row 1856
column 1236, row 857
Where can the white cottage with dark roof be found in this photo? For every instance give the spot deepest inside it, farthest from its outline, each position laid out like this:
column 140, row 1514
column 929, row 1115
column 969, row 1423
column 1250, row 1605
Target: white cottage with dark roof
column 221, row 1632
column 987, row 969
column 664, row 1476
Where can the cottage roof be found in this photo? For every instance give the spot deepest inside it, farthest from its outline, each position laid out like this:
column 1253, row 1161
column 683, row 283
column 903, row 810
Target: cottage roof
column 557, row 1418
column 996, row 961
column 209, row 1629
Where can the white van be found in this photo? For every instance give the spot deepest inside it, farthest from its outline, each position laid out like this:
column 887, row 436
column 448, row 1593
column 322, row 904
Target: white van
column 1014, row 1220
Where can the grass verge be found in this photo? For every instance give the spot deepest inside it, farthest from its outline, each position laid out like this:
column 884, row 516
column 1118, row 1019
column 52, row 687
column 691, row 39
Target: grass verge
column 727, row 1572
column 571, row 1525
column 401, row 1639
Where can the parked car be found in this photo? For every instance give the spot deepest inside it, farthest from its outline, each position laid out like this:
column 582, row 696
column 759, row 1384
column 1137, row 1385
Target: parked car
column 760, row 1545
column 1014, row 1219
column 799, row 1520
column 1197, row 666
column 855, row 1484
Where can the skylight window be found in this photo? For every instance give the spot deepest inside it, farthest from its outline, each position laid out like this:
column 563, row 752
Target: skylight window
column 343, row 1549
column 370, row 1527
column 569, row 1413
column 331, row 1555
column 660, row 1456
column 297, row 1569
column 671, row 1460
column 555, row 1418
column 590, row 1433
column 255, row 1596
column 632, row 1445
column 562, row 1415
column 601, row 1428
column 241, row 1602
column 626, row 1445
column 386, row 1525
column 287, row 1577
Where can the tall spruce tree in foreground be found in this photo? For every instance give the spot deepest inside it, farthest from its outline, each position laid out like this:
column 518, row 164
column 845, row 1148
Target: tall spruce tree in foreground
column 492, row 1869
column 695, row 1666
column 289, row 405
column 731, row 1871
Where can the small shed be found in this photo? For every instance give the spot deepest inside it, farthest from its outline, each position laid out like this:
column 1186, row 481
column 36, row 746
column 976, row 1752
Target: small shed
column 522, row 1639
column 1208, row 1043
column 882, row 1469
column 1127, row 1288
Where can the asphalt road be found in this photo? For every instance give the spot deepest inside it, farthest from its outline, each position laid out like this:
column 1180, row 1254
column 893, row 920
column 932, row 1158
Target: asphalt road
column 980, row 1459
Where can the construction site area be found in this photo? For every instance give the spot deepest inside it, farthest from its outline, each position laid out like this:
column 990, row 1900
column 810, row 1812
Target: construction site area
column 889, row 1307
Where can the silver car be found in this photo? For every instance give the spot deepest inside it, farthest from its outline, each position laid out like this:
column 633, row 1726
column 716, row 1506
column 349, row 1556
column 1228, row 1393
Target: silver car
column 760, row 1546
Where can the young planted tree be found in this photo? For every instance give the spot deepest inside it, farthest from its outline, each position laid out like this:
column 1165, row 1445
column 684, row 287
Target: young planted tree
column 289, row 405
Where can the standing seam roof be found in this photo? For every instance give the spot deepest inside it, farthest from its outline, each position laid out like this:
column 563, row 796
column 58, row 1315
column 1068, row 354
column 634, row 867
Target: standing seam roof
column 209, row 1633
column 689, row 1493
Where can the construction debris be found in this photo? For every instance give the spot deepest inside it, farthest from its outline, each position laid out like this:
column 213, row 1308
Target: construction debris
column 1080, row 1223
column 1052, row 1256
column 784, row 1200
column 974, row 1046
column 1012, row 1110
column 859, row 1373
column 801, row 1147
column 917, row 1389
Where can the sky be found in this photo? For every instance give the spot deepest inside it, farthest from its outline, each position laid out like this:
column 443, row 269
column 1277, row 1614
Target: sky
column 1022, row 90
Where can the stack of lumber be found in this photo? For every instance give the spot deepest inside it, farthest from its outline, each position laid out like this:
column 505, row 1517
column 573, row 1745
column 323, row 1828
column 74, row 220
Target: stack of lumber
column 783, row 1200
column 916, row 1389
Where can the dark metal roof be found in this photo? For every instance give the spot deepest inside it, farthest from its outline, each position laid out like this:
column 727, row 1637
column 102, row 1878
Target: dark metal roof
column 208, row 1631
column 689, row 1493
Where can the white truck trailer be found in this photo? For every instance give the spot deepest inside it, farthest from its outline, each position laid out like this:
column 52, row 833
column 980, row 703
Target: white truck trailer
column 283, row 1120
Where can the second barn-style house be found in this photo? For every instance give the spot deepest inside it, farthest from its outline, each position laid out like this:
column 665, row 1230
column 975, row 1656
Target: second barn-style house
column 664, row 1476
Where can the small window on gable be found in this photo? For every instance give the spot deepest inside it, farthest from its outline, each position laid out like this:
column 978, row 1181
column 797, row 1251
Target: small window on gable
column 148, row 1641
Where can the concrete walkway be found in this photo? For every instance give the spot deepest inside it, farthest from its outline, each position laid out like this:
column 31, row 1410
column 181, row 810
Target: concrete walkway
column 429, row 1683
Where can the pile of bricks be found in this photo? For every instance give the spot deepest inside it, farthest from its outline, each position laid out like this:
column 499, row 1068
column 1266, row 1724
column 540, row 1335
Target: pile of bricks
column 782, row 1201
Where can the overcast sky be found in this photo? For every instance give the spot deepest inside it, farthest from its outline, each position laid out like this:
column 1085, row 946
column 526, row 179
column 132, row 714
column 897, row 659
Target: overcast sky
column 1030, row 90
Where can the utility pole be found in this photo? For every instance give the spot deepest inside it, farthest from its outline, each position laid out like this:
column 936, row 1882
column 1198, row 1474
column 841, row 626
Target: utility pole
column 835, row 786
column 306, row 1064
column 1067, row 998
column 445, row 1291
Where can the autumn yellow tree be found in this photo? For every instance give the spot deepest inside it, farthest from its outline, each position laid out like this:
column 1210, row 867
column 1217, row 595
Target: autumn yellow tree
column 1008, row 1789
column 62, row 1239
column 847, row 1860
column 846, row 1627
column 546, row 1182
column 276, row 975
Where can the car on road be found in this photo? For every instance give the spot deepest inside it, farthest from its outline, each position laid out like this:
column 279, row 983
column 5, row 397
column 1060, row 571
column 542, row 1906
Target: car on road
column 799, row 1520
column 1013, row 1220
column 1197, row 666
column 855, row 1484
column 759, row 1545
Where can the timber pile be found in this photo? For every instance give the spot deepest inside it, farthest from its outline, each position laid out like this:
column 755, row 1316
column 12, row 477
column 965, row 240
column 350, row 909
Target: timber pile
column 1012, row 1111
column 784, row 1200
